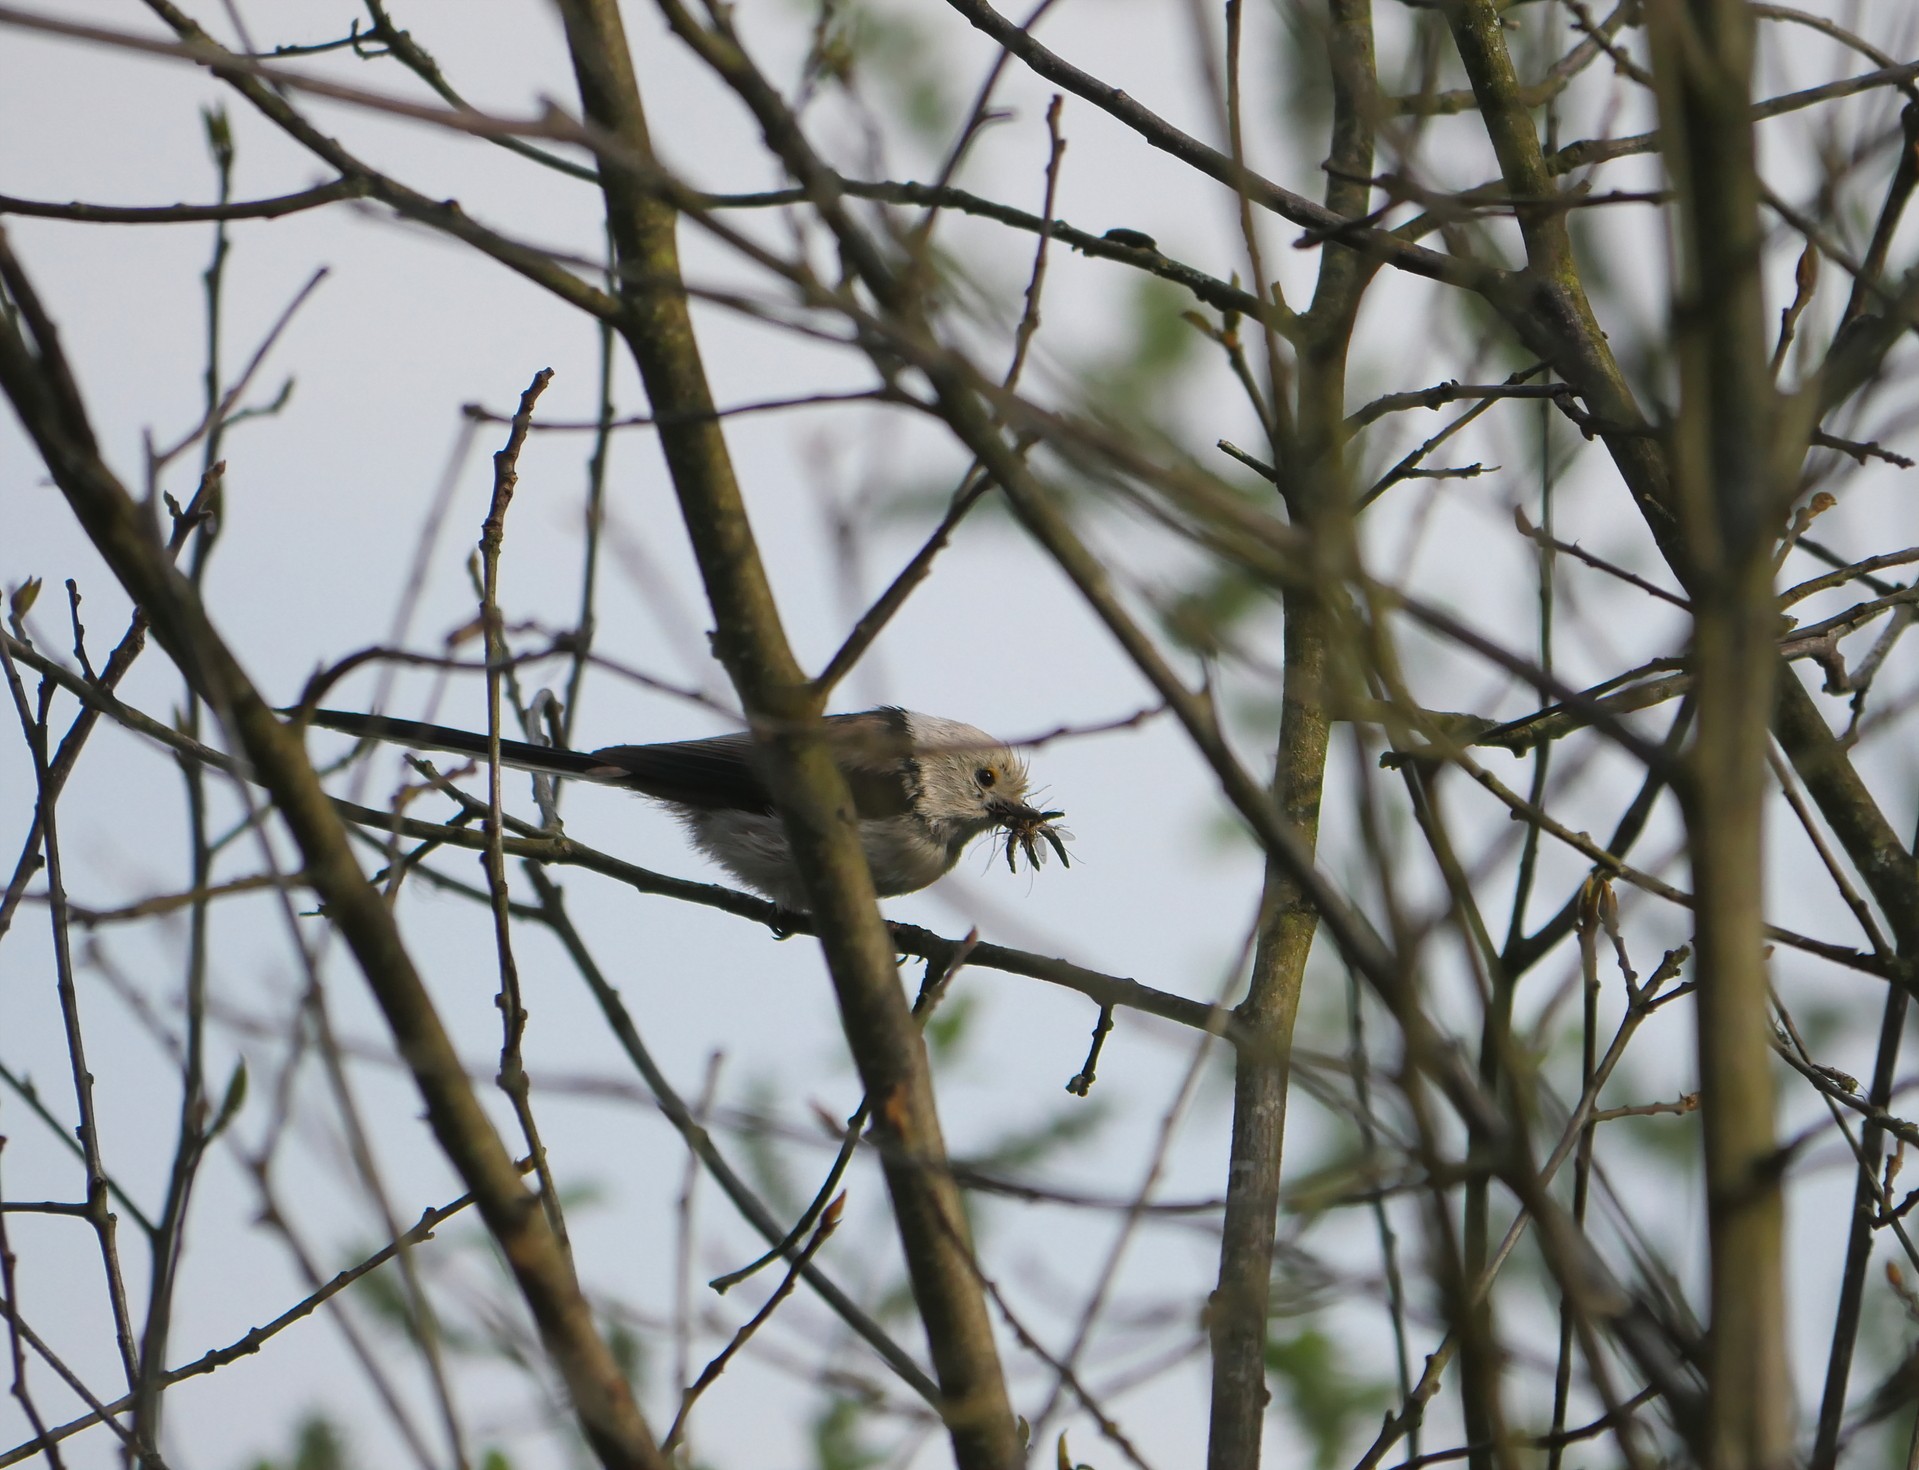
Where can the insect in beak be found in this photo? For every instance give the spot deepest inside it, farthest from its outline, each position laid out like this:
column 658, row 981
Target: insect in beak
column 1024, row 826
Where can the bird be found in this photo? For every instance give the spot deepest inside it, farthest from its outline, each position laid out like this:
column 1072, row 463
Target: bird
column 924, row 788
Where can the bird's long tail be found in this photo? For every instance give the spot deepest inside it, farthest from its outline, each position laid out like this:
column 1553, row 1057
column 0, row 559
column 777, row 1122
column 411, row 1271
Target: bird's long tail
column 545, row 759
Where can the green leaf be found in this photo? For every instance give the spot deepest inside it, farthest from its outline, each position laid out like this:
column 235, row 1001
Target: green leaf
column 23, row 598
column 766, row 1166
column 1205, row 616
column 1022, row 1148
column 219, row 130
column 948, row 1027
column 235, row 1099
column 837, row 1442
column 1326, row 1401
column 1135, row 381
column 629, row 1352
column 318, row 1444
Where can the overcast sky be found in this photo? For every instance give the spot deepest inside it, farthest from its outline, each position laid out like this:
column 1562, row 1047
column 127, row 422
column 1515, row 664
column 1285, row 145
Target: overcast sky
column 327, row 504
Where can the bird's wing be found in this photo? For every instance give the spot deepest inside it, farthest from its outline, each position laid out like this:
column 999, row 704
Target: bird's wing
column 873, row 750
column 721, row 772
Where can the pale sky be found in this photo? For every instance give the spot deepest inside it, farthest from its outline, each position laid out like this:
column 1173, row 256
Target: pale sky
column 325, row 507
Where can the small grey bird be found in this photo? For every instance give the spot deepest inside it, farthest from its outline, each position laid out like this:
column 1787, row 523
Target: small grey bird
column 924, row 788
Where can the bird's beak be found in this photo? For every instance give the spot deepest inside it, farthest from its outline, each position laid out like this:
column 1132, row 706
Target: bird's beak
column 1016, row 813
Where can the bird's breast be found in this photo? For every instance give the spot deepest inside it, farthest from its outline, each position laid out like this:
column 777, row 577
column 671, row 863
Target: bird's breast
column 904, row 854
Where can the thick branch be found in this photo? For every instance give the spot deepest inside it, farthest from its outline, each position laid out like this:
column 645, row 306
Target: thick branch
column 808, row 788
column 36, row 378
column 1730, row 499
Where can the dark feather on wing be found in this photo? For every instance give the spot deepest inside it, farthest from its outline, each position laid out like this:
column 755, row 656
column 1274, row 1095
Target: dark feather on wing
column 721, row 772
column 725, row 771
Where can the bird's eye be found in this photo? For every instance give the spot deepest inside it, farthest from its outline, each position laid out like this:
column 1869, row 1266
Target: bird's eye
column 986, row 775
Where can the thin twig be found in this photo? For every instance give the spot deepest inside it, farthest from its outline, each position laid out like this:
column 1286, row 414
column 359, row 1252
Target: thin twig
column 512, row 1080
column 829, row 1222
column 252, row 1341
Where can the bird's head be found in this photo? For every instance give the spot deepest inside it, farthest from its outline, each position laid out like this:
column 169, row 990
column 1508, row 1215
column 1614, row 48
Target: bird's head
column 968, row 783
column 967, row 779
